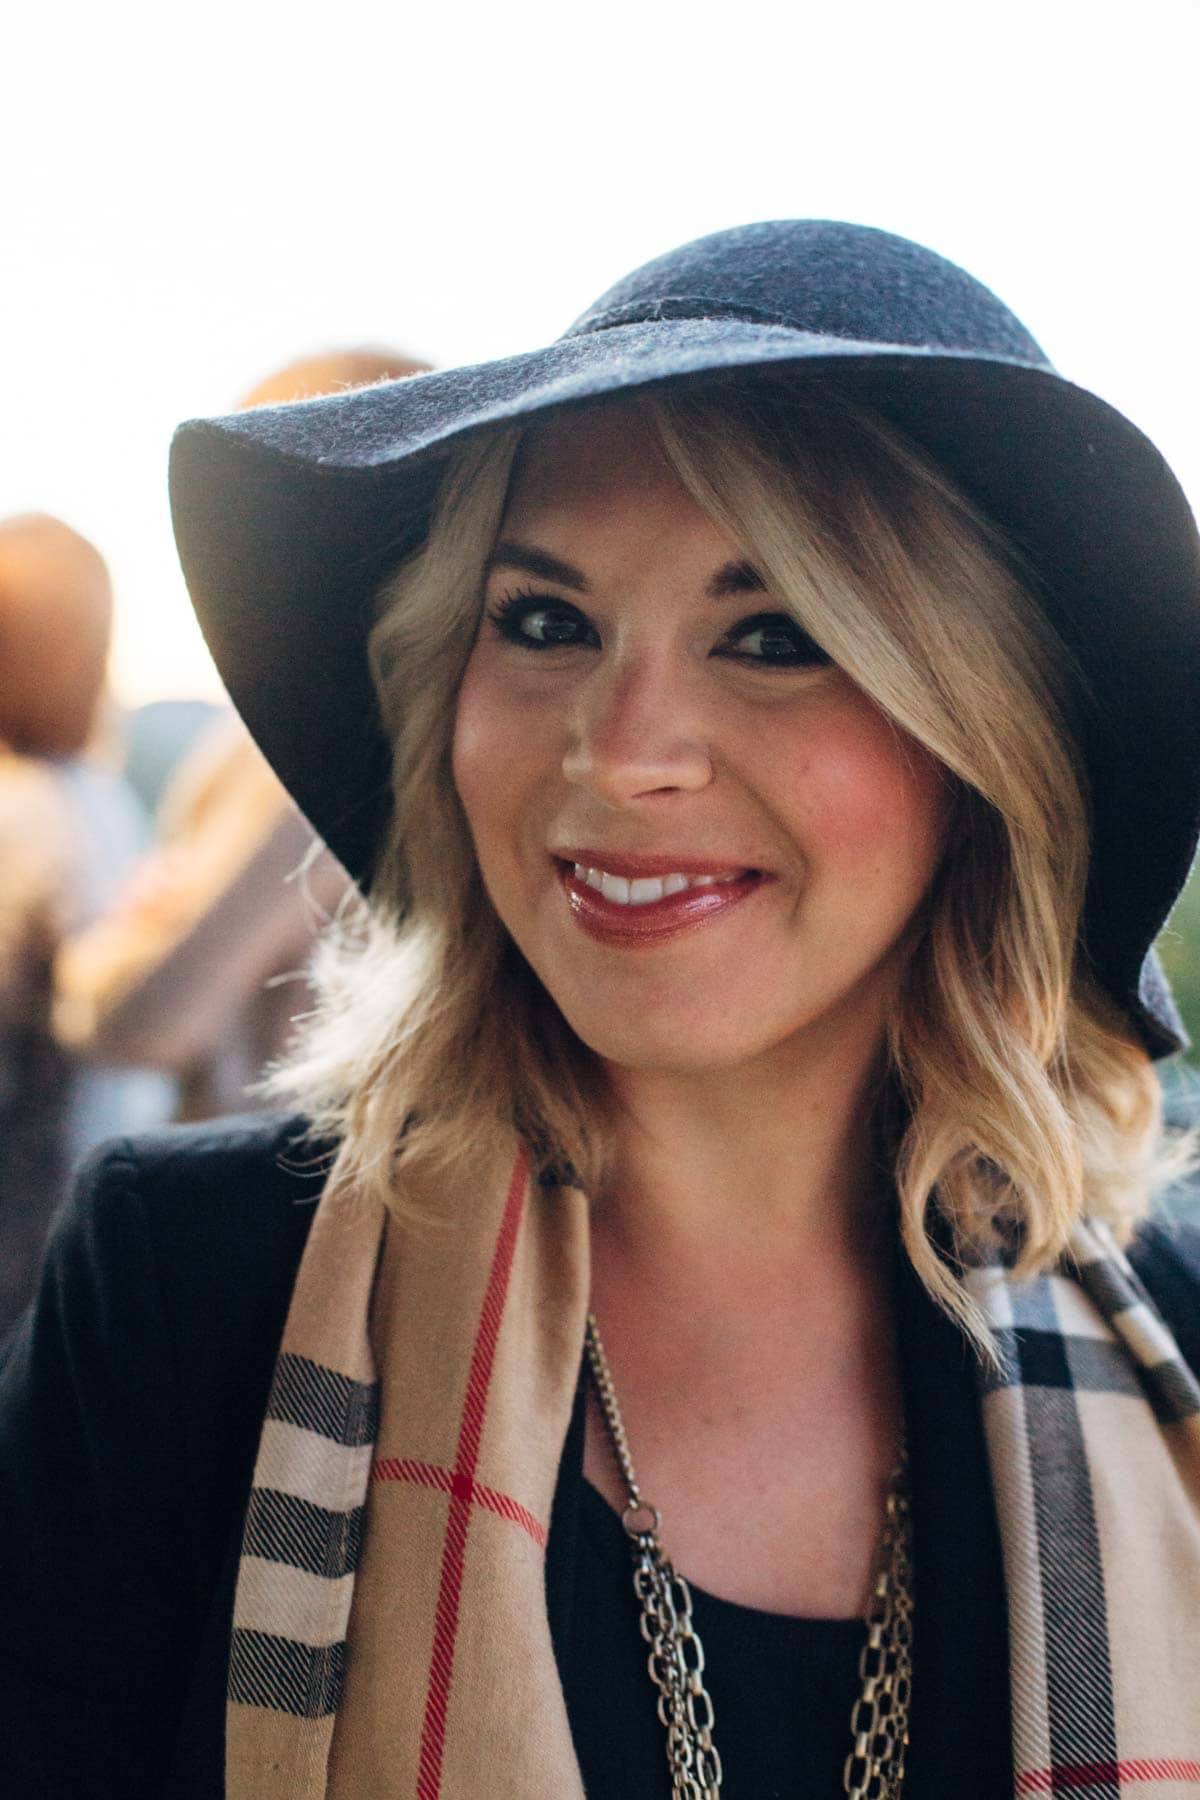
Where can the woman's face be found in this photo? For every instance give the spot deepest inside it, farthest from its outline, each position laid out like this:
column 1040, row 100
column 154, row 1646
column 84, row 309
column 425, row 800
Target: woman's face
column 707, row 842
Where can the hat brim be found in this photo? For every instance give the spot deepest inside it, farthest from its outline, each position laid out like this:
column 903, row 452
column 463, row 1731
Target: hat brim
column 288, row 518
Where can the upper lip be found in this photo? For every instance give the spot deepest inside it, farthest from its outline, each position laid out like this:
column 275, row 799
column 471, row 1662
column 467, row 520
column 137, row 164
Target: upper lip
column 646, row 863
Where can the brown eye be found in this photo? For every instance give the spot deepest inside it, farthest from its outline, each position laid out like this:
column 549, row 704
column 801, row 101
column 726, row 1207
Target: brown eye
column 776, row 640
column 540, row 622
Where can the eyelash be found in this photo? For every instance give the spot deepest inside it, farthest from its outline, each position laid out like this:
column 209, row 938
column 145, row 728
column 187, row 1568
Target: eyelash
column 509, row 614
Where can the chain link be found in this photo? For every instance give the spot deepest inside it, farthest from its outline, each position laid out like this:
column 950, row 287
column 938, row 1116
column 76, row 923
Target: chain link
column 676, row 1655
column 874, row 1769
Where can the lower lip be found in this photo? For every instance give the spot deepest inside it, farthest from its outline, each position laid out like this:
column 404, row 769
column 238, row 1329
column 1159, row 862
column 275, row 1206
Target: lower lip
column 635, row 927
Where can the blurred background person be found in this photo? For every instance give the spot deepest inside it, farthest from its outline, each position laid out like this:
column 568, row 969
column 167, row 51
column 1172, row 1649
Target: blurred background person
column 198, row 969
column 155, row 738
column 70, row 830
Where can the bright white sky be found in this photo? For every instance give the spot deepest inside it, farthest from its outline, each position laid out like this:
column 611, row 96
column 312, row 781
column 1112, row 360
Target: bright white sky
column 194, row 195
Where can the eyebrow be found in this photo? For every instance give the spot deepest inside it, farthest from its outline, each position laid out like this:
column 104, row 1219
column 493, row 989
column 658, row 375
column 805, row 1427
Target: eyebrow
column 529, row 560
column 735, row 578
column 731, row 578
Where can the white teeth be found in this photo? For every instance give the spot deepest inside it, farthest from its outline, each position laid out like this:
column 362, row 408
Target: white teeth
column 643, row 890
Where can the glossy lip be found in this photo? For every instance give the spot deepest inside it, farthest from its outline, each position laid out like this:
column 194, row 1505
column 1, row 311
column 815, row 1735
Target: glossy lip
column 645, row 927
column 618, row 863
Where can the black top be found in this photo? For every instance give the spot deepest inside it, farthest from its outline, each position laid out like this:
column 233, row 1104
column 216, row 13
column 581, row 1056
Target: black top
column 131, row 1401
column 781, row 1688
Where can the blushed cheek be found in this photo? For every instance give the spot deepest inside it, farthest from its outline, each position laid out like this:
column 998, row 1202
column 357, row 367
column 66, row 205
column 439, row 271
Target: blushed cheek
column 475, row 757
column 499, row 761
column 464, row 753
column 881, row 802
column 496, row 720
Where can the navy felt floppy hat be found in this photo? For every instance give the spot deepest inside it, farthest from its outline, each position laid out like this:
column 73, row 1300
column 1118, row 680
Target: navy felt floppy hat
column 288, row 518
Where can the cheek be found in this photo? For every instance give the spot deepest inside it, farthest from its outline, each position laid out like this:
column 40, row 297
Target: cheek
column 474, row 750
column 874, row 798
column 499, row 756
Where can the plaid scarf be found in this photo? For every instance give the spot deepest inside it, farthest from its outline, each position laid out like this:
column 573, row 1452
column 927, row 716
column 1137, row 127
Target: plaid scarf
column 399, row 1514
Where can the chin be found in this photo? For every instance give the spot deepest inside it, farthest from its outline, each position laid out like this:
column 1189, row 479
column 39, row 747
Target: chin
column 656, row 1045
column 672, row 1033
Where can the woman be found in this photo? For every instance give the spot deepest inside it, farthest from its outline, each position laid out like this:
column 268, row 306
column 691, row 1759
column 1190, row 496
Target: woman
column 783, row 767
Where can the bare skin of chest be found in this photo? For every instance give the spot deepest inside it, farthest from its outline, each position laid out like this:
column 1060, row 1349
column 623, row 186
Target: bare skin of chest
column 766, row 1442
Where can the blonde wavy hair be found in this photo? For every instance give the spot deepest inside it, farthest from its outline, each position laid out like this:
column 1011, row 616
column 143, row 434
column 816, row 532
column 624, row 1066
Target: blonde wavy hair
column 1016, row 1093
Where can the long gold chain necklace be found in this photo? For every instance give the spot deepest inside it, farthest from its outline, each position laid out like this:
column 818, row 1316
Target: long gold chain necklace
column 874, row 1768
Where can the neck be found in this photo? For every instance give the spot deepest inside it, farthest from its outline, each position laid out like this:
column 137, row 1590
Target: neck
column 770, row 1172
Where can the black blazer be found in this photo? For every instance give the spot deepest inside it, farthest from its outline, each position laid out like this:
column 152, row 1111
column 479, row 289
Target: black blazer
column 131, row 1400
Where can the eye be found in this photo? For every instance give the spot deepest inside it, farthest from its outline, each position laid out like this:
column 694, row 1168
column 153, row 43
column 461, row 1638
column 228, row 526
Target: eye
column 774, row 639
column 541, row 622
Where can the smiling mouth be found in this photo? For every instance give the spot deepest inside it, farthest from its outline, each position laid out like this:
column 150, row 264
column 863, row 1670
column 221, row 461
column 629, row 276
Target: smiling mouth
column 648, row 890
column 634, row 907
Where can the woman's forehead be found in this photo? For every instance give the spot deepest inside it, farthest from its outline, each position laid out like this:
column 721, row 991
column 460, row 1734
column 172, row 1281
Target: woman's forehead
column 600, row 498
column 588, row 459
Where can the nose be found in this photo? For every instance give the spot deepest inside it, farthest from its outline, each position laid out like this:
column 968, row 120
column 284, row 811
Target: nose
column 636, row 736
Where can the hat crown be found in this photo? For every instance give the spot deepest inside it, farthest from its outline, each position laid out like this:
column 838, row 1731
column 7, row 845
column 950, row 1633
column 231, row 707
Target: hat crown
column 823, row 277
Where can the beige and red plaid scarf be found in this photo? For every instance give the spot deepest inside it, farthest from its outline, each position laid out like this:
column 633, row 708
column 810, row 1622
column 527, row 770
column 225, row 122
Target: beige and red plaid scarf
column 390, row 1629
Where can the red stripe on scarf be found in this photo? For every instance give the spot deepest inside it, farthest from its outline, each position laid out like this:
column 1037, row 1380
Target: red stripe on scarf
column 462, row 1485
column 1072, row 1776
column 432, row 1475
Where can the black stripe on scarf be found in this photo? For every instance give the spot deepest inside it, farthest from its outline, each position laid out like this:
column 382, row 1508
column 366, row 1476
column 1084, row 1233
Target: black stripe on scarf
column 1170, row 1386
column 285, row 1529
column 319, row 1399
column 291, row 1532
column 285, row 1676
column 1049, row 1359
column 1082, row 1715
